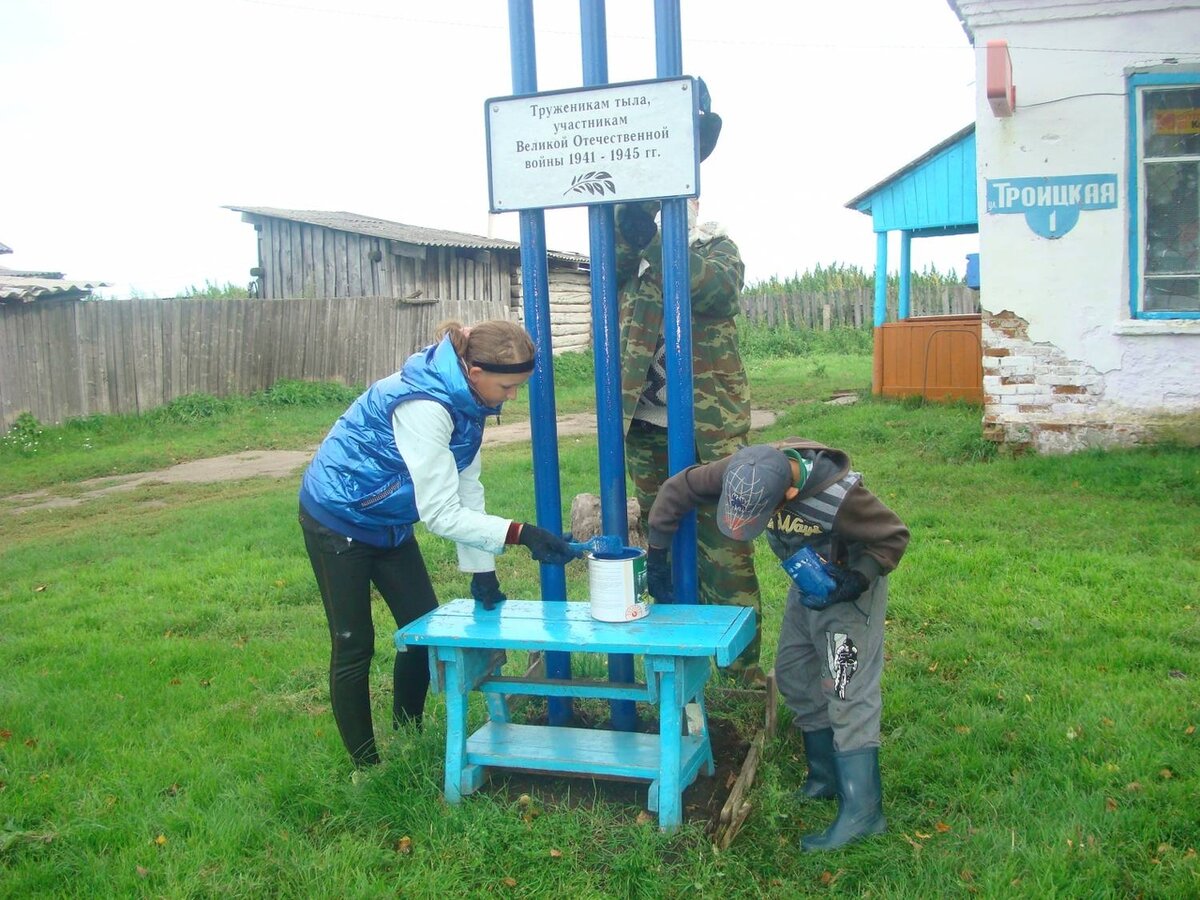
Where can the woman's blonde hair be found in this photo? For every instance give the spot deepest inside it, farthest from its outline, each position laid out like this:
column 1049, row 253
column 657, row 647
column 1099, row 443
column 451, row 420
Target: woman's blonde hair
column 495, row 341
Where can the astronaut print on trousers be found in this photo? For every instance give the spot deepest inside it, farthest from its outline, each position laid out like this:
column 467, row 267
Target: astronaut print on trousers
column 842, row 658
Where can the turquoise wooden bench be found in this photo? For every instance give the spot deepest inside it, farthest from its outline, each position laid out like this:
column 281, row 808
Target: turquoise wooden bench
column 467, row 647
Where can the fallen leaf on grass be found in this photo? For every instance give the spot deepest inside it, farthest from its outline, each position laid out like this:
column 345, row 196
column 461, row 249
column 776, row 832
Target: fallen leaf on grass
column 643, row 817
column 510, row 881
column 923, row 836
column 1133, row 786
column 142, row 871
column 404, row 845
column 913, row 843
column 828, row 878
column 963, row 729
column 1165, row 774
column 1110, row 805
column 39, row 588
column 161, row 840
column 555, row 853
column 942, row 827
column 1191, row 729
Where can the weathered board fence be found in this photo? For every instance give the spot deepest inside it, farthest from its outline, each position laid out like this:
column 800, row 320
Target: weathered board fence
column 63, row 360
column 822, row 310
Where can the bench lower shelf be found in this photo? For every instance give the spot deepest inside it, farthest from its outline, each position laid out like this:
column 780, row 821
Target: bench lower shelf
column 582, row 751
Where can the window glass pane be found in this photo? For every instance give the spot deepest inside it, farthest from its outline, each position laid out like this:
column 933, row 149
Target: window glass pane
column 1172, row 294
column 1172, row 217
column 1171, row 122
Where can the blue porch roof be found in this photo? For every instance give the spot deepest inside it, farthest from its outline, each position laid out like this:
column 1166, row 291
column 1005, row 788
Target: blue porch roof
column 932, row 195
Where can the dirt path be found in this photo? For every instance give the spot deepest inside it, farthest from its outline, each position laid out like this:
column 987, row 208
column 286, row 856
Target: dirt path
column 277, row 464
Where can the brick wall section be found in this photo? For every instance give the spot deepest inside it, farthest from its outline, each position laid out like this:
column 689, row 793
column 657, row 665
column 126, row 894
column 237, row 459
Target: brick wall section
column 1035, row 398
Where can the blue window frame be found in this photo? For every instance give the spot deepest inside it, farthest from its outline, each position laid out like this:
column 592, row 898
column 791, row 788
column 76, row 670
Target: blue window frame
column 1164, row 188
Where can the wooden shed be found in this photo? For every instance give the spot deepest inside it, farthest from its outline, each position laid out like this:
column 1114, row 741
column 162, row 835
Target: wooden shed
column 935, row 357
column 304, row 253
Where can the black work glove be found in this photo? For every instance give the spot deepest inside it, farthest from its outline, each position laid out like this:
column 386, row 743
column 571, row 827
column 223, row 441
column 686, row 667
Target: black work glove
column 658, row 575
column 545, row 546
column 850, row 585
column 710, row 122
column 485, row 587
column 636, row 223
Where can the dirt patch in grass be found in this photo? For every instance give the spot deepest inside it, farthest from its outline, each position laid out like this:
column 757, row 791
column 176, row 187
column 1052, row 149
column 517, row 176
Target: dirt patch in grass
column 702, row 801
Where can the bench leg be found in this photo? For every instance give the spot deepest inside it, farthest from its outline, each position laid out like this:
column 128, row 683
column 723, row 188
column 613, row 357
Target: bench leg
column 670, row 729
column 697, row 725
column 456, row 733
column 461, row 778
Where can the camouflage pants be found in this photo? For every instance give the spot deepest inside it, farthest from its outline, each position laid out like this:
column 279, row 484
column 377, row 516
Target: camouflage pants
column 726, row 567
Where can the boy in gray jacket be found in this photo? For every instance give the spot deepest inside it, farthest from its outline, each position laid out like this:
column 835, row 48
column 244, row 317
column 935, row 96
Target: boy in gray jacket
column 830, row 656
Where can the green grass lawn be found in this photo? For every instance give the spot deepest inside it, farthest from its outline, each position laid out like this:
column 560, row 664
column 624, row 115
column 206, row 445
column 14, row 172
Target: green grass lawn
column 164, row 721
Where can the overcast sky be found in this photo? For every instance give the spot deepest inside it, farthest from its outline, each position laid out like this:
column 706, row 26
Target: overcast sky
column 130, row 123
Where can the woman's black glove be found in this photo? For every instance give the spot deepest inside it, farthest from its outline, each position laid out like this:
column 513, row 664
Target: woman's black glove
column 546, row 547
column 485, row 587
column 658, row 575
column 850, row 586
column 636, row 223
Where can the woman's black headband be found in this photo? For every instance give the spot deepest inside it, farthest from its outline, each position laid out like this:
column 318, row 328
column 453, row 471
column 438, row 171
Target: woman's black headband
column 505, row 368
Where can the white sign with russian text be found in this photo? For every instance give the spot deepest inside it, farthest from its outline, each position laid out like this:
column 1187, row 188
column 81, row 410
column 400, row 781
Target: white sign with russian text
column 609, row 144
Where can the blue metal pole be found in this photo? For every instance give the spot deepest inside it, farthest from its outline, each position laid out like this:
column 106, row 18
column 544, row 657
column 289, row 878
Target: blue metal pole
column 904, row 304
column 880, row 313
column 605, row 351
column 677, row 318
column 542, row 416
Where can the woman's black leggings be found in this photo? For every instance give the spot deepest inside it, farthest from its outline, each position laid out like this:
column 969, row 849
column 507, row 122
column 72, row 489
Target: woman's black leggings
column 345, row 570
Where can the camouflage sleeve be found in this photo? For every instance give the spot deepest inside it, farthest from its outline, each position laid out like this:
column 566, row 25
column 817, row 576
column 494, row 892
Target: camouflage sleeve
column 717, row 275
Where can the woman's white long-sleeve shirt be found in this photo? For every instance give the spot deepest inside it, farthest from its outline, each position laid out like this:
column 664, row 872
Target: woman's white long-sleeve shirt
column 449, row 502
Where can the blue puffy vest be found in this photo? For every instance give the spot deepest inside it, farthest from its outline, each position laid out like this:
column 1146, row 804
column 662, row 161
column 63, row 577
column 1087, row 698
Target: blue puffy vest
column 358, row 484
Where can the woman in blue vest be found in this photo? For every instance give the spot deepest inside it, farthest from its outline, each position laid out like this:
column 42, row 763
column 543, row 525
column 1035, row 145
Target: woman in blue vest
column 407, row 450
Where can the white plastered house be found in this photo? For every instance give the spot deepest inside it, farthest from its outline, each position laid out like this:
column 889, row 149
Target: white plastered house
column 1088, row 179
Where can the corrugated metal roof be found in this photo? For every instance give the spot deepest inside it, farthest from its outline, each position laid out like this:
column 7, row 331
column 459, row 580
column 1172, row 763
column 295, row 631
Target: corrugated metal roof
column 394, row 231
column 28, row 273
column 4, row 248
column 19, row 288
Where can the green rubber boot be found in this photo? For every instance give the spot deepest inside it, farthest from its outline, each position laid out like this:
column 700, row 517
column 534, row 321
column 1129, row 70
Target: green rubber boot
column 821, row 783
column 860, row 802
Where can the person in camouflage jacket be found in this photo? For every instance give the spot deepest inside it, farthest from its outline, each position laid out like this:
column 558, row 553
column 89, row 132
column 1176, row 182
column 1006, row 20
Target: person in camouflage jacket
column 721, row 390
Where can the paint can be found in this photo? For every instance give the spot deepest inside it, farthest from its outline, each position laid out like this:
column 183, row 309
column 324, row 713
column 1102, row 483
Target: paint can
column 617, row 585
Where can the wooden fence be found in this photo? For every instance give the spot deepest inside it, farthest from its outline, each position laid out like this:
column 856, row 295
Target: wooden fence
column 853, row 307
column 61, row 360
